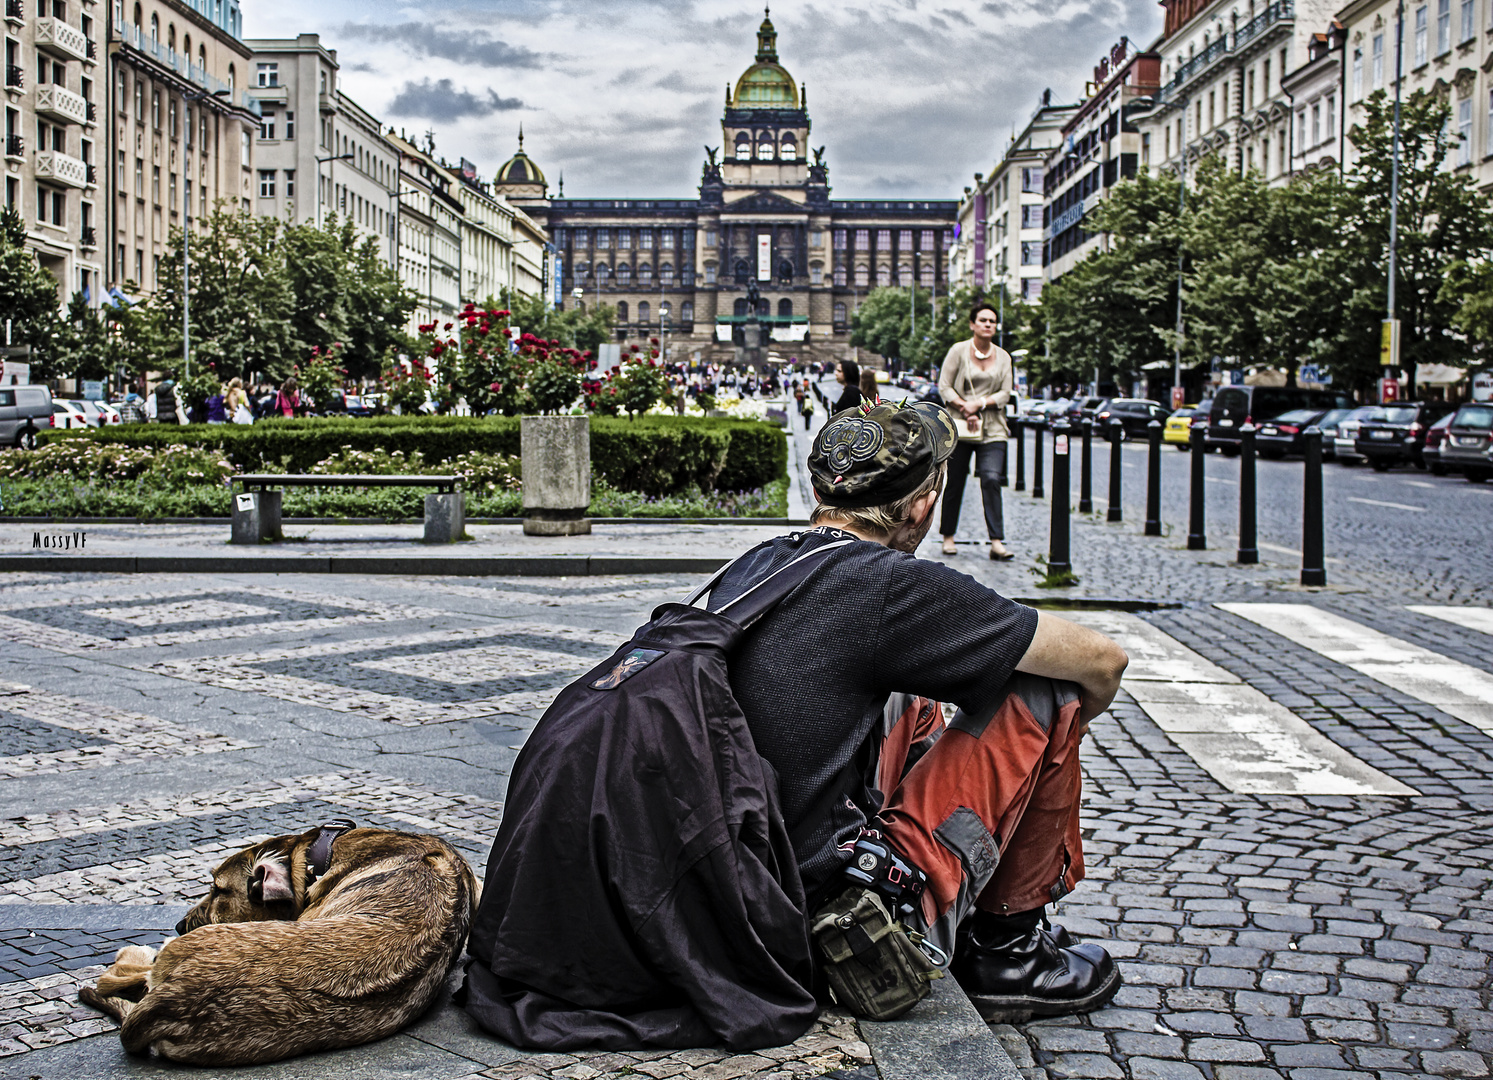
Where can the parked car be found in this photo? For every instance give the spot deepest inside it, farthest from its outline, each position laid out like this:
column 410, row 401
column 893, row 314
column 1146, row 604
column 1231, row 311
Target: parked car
column 1134, row 414
column 1396, row 434
column 1235, row 406
column 1286, row 433
column 1328, row 423
column 1177, row 430
column 100, row 413
column 1345, row 444
column 67, row 413
column 23, row 411
column 1082, row 408
column 1468, row 441
column 1045, row 413
column 1435, row 439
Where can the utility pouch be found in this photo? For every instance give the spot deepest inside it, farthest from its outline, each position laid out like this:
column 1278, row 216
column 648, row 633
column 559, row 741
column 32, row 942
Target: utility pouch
column 872, row 962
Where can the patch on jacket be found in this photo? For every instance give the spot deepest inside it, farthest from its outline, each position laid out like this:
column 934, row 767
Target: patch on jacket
column 626, row 668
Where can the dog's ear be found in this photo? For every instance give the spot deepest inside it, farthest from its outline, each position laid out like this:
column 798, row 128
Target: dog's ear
column 270, row 882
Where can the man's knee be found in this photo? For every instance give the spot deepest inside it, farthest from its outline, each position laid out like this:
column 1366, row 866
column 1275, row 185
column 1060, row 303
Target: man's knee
column 1037, row 696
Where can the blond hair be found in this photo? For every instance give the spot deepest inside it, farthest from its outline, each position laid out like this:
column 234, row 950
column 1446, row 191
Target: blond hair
column 883, row 520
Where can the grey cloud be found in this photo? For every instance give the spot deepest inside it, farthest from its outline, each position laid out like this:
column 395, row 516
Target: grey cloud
column 462, row 47
column 442, row 101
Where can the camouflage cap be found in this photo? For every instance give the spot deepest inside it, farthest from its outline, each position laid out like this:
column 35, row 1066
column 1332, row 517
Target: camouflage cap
column 877, row 454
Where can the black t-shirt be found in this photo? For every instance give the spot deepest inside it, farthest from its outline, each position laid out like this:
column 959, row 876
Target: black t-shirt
column 815, row 673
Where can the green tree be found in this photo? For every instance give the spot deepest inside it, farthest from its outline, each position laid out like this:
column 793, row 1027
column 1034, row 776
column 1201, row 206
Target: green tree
column 82, row 347
column 572, row 328
column 1442, row 220
column 28, row 297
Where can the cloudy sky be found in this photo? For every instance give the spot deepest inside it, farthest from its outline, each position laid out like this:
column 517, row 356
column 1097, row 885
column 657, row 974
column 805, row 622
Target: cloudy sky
column 909, row 97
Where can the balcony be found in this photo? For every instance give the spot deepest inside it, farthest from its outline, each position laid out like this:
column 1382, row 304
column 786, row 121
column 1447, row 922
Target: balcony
column 15, row 10
column 182, row 65
column 89, row 238
column 1276, row 12
column 15, row 77
column 1194, row 67
column 15, row 146
column 61, row 168
column 92, row 176
column 61, row 39
column 61, row 104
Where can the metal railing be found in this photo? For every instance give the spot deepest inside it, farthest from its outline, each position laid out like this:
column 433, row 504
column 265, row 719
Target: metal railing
column 1194, row 67
column 182, row 64
column 89, row 237
column 15, row 9
column 15, row 77
column 1276, row 12
column 15, row 146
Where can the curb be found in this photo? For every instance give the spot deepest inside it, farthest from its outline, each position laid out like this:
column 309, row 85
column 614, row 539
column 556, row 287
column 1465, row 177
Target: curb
column 225, row 522
column 942, row 1038
column 414, row 565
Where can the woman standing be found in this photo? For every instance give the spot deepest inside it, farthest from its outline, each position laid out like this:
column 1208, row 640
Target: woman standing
column 289, row 398
column 975, row 382
column 869, row 392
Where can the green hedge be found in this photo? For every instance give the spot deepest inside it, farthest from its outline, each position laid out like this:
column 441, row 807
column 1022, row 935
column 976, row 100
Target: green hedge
column 656, row 455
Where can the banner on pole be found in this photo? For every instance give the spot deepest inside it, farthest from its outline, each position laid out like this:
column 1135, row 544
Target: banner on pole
column 764, row 257
column 1389, row 344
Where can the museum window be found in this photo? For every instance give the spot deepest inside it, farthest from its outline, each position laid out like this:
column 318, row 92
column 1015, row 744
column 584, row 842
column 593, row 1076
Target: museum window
column 603, row 238
column 581, row 271
column 645, row 273
column 765, row 150
column 643, row 312
column 687, row 276
column 743, row 271
column 816, row 273
column 665, row 314
column 666, row 274
column 884, row 277
column 666, row 240
column 862, row 276
column 925, row 275
column 785, row 308
column 743, row 147
column 816, row 238
column 790, row 148
column 624, row 239
column 862, row 239
column 645, row 239
column 840, row 276
column 840, row 239
column 624, row 274
column 904, row 276
column 579, row 238
column 687, row 239
column 687, row 312
column 925, row 241
column 603, row 273
column 839, row 313
column 710, row 273
column 883, row 239
column 710, row 238
column 904, row 240
column 621, row 311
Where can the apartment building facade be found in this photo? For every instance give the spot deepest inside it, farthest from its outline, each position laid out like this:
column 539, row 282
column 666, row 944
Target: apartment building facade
column 55, row 87
column 181, row 126
column 428, row 232
column 318, row 154
column 1000, row 219
column 1319, row 137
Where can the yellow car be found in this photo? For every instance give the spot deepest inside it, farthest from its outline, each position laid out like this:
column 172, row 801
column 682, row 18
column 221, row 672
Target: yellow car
column 1178, row 427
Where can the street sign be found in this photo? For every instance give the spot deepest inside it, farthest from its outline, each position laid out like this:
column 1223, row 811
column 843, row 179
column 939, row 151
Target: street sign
column 93, row 391
column 1482, row 386
column 1389, row 343
column 1179, row 396
column 1236, row 377
column 1308, row 373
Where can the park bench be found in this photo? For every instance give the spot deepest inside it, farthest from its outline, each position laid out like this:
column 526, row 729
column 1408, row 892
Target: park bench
column 256, row 510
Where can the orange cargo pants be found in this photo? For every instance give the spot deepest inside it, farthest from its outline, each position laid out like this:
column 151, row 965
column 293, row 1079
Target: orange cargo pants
column 986, row 807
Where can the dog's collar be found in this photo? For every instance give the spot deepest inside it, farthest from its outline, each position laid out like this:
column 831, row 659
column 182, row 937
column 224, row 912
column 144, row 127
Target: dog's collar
column 319, row 855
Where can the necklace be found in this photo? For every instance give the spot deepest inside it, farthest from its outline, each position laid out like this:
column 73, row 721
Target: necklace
column 978, row 355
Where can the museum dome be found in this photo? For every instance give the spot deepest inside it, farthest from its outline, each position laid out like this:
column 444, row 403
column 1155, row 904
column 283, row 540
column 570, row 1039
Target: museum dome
column 766, row 84
column 519, row 169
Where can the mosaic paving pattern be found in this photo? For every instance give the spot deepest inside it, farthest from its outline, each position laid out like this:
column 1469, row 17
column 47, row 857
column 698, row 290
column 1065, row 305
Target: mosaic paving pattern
column 41, row 732
column 414, row 679
column 116, row 616
column 45, row 1011
column 159, row 851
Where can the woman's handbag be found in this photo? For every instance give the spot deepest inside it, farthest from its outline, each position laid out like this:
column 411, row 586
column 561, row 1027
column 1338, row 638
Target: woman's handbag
column 968, row 431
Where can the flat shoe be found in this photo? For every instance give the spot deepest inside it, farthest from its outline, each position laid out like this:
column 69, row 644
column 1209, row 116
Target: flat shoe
column 949, row 548
column 1002, row 556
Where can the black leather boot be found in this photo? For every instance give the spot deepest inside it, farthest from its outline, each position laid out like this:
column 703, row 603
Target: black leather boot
column 1012, row 969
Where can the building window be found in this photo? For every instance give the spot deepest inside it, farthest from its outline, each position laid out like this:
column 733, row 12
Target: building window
column 290, row 183
column 1031, row 289
column 171, row 189
column 839, row 313
column 1464, row 129
column 1467, row 20
column 267, row 126
column 621, row 311
column 119, row 170
column 743, row 146
column 1145, row 149
column 290, row 125
column 139, row 178
column 925, row 275
column 840, row 240
column 1031, row 216
column 666, row 274
column 580, row 238
column 904, row 240
column 1443, row 26
column 1378, row 51
column 645, row 239
column 862, row 239
column 266, row 183
column 603, row 238
column 839, row 276
column 624, row 239
column 710, row 273
column 645, row 273
column 666, row 240
column 883, row 239
column 603, row 273
column 862, row 276
column 269, row 75
column 155, row 110
column 643, row 312
column 1316, row 124
column 687, row 311
column 1031, row 180
column 816, row 273
column 884, row 277
column 171, row 117
column 624, row 274
column 1422, row 17
column 665, row 314
column 1357, row 74
column 243, row 149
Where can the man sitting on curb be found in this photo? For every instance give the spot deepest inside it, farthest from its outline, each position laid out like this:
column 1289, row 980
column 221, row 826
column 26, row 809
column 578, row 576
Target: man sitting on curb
column 990, row 812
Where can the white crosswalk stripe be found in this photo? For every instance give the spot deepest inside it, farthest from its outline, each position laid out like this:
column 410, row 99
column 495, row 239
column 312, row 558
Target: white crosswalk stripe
column 1245, row 741
column 1459, row 689
column 1470, row 618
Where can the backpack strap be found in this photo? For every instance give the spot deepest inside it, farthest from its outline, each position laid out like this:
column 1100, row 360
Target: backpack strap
column 762, row 597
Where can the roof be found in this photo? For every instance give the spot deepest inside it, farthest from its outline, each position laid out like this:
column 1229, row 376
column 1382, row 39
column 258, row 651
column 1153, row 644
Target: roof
column 520, row 169
column 766, row 84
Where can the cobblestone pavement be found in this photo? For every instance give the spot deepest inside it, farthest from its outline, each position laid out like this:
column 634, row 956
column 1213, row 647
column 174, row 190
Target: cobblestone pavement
column 1304, row 936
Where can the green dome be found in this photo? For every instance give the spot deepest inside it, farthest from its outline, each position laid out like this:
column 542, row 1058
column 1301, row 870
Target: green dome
column 765, row 86
column 520, row 169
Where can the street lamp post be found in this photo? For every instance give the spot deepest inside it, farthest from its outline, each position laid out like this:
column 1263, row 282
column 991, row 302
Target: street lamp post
column 186, row 256
column 319, row 162
column 1390, row 349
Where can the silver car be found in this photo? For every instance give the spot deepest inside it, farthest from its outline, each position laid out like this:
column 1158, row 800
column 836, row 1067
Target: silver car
column 23, row 411
column 1344, row 443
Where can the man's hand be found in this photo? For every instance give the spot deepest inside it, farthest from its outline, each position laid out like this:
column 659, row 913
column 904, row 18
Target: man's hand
column 1064, row 650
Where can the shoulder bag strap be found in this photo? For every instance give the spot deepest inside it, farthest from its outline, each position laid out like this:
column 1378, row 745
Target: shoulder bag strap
column 762, row 597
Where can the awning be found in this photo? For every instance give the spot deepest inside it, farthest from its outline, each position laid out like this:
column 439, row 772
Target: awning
column 1438, row 375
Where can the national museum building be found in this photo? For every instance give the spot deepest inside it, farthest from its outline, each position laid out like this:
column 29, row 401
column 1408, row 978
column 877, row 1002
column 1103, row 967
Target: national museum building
column 764, row 215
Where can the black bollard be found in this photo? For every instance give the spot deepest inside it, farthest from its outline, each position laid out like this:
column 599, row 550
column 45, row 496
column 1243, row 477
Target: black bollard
column 1313, row 563
column 1196, row 539
column 1116, row 436
column 1153, row 480
column 1018, row 430
column 1249, row 551
column 1059, row 560
column 1086, row 470
column 1037, row 462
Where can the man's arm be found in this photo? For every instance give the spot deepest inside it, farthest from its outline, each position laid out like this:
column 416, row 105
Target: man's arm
column 1064, row 650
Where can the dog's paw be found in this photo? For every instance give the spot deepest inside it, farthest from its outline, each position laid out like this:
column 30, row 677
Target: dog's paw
column 135, row 956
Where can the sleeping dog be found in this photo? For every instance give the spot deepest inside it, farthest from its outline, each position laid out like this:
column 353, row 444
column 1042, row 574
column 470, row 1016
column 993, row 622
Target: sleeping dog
column 336, row 937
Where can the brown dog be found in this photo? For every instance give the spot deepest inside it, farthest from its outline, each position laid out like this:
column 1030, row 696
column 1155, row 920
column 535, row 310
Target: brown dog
column 332, row 938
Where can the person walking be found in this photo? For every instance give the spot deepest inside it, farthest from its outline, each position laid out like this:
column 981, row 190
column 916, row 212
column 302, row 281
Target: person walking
column 869, row 392
column 848, row 375
column 289, row 398
column 168, row 404
column 975, row 382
